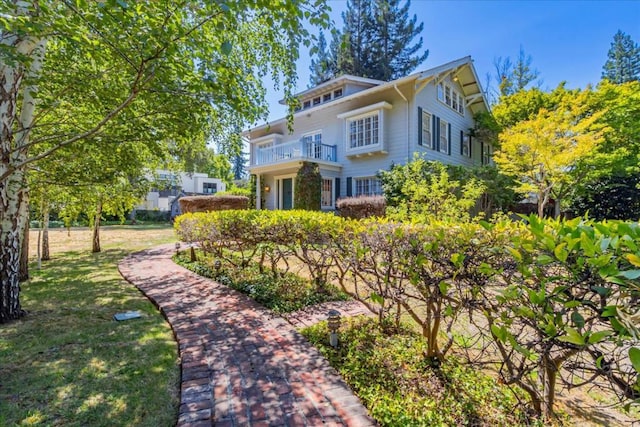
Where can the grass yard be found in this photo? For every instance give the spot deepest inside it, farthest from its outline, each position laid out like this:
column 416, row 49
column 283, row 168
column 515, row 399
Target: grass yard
column 68, row 362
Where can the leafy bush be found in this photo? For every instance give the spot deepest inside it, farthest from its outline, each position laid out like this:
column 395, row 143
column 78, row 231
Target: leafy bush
column 608, row 197
column 361, row 207
column 308, row 187
column 385, row 366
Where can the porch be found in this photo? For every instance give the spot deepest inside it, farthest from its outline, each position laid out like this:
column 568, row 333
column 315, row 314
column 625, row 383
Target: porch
column 294, row 150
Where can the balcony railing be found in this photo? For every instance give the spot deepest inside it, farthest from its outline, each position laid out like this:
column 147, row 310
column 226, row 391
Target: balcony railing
column 304, row 150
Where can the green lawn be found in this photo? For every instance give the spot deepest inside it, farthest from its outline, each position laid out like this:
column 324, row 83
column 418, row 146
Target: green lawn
column 68, row 362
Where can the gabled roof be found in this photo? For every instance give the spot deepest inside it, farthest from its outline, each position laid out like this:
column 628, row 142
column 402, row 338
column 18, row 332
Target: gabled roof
column 461, row 69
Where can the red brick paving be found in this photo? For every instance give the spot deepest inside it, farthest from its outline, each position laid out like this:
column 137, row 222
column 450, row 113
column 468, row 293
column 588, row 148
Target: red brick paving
column 241, row 364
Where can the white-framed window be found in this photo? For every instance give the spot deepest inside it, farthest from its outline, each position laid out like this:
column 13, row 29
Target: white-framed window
column 444, row 137
column 448, row 95
column 465, row 145
column 367, row 186
column 427, row 138
column 326, row 97
column 306, row 104
column 312, row 144
column 326, row 195
column 337, row 93
column 486, row 154
column 364, row 131
column 209, row 187
column 316, row 100
column 364, row 128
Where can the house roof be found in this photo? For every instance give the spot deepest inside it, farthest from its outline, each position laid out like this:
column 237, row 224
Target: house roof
column 335, row 83
column 461, row 69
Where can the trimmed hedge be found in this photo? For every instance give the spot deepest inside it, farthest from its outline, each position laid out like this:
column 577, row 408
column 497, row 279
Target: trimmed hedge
column 361, row 207
column 212, row 203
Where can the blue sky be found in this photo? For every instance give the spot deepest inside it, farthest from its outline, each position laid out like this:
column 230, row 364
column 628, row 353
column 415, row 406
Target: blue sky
column 568, row 40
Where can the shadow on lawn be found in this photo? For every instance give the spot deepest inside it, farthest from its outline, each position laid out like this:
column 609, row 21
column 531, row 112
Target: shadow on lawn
column 69, row 363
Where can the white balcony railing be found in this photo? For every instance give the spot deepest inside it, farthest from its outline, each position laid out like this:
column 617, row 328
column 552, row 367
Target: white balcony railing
column 304, row 150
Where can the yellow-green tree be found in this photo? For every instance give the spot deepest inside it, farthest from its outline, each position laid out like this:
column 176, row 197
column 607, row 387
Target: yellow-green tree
column 543, row 151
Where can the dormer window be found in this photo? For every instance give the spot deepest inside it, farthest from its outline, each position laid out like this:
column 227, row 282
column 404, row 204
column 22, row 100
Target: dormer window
column 326, row 97
column 316, row 100
column 337, row 93
column 307, row 104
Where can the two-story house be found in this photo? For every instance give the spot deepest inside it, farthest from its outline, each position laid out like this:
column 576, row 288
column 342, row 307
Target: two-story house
column 171, row 186
column 353, row 127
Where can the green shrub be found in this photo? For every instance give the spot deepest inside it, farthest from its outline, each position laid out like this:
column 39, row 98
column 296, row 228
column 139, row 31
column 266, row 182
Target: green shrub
column 308, row 187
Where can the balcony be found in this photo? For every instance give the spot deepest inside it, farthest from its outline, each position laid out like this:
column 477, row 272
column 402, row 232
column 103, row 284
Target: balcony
column 295, row 150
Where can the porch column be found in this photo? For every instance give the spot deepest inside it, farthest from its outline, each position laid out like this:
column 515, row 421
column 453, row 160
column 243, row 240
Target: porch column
column 258, row 193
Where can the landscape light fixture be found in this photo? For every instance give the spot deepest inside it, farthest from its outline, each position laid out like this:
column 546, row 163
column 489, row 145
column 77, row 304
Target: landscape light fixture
column 333, row 321
column 177, row 248
column 217, row 266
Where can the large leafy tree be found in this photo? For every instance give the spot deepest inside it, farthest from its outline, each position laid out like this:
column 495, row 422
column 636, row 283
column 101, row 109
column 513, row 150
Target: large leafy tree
column 157, row 74
column 544, row 151
column 623, row 60
column 376, row 41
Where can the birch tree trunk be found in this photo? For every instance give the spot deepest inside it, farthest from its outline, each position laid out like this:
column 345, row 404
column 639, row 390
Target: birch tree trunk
column 15, row 128
column 96, row 229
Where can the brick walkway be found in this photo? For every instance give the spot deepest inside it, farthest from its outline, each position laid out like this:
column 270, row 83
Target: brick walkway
column 241, row 365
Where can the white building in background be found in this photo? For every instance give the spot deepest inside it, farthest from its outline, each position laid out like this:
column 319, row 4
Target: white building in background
column 171, row 186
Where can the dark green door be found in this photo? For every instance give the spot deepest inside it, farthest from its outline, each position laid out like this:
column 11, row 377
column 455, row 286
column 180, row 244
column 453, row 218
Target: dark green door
column 287, row 193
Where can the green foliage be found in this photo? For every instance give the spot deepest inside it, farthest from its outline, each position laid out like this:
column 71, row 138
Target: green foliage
column 386, row 368
column 513, row 78
column 423, row 191
column 375, row 42
column 608, row 197
column 623, row 60
column 308, row 186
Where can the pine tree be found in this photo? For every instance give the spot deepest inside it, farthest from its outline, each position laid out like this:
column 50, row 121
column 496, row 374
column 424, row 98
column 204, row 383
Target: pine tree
column 375, row 42
column 513, row 77
column 324, row 67
column 623, row 63
column 238, row 166
column 393, row 32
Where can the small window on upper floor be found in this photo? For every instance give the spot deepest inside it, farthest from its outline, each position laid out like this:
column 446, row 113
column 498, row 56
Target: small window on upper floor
column 448, row 95
column 326, row 97
column 307, row 104
column 337, row 93
column 316, row 100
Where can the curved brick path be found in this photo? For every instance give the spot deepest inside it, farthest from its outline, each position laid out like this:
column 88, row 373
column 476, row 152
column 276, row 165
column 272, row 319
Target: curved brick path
column 241, row 365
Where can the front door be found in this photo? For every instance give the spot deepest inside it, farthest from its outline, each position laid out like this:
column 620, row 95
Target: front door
column 287, row 193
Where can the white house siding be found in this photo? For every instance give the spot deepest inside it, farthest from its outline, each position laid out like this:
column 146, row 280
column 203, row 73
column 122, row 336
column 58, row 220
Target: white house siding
column 428, row 100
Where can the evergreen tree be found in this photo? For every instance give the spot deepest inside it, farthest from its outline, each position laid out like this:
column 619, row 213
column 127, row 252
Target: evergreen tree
column 239, row 161
column 375, row 42
column 513, row 77
column 623, row 63
column 394, row 55
column 324, row 67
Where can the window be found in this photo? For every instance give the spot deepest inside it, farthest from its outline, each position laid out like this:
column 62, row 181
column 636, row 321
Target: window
column 364, row 131
column 367, row 186
column 316, row 100
column 465, row 144
column 451, row 97
column 326, row 197
column 444, row 137
column 307, row 104
column 486, row 154
column 209, row 187
column 426, row 129
column 326, row 97
column 337, row 93
column 313, row 144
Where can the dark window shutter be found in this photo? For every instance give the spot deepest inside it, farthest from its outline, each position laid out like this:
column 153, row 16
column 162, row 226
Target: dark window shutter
column 449, row 138
column 419, row 125
column 434, row 133
column 461, row 141
column 436, row 145
column 470, row 144
column 481, row 153
column 337, row 185
column 349, row 187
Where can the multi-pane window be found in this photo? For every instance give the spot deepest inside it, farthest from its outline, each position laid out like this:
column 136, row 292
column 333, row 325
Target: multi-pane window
column 444, row 137
column 465, row 149
column 313, row 144
column 326, row 197
column 326, row 97
column 486, row 154
column 306, row 104
column 426, row 129
column 364, row 131
column 316, row 100
column 209, row 187
column 451, row 97
column 367, row 186
column 337, row 93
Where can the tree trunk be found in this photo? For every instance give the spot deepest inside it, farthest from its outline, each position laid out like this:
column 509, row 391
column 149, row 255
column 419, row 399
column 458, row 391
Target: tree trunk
column 549, row 387
column 96, row 229
column 556, row 208
column 24, row 254
column 45, row 232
